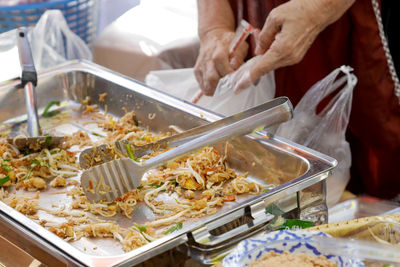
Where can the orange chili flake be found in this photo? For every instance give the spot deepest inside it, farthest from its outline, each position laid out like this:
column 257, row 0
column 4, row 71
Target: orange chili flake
column 229, row 198
column 90, row 184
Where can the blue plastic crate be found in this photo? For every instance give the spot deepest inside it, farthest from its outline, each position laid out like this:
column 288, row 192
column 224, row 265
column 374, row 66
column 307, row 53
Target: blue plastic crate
column 81, row 16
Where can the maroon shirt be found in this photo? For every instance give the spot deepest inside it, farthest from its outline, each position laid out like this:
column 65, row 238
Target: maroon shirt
column 374, row 128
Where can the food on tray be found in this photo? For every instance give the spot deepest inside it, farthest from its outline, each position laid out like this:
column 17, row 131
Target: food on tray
column 197, row 185
column 274, row 259
column 383, row 229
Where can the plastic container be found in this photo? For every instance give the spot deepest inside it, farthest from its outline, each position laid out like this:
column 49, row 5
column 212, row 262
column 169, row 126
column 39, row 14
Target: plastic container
column 81, row 16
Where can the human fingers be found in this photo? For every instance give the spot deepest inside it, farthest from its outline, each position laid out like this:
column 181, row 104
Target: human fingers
column 198, row 73
column 220, row 58
column 210, row 79
column 259, row 66
column 266, row 36
column 238, row 56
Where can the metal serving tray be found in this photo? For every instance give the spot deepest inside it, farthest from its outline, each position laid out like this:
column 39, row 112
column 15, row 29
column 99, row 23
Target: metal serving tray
column 301, row 172
column 360, row 207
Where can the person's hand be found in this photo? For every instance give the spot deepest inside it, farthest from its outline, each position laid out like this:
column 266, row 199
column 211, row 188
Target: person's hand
column 214, row 60
column 288, row 33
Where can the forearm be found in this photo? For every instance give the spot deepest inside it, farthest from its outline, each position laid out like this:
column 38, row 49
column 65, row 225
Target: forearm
column 214, row 15
column 327, row 12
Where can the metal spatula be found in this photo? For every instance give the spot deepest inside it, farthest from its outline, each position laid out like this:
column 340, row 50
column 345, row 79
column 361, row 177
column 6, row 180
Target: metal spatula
column 106, row 152
column 114, row 178
column 29, row 81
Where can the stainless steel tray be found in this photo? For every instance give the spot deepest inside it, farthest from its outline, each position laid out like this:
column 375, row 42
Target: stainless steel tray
column 300, row 171
column 359, row 207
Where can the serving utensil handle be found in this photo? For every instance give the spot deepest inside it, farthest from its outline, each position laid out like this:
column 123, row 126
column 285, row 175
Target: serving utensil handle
column 275, row 111
column 28, row 81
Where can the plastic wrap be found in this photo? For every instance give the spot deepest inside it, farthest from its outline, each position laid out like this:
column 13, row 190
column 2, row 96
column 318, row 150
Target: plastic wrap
column 52, row 43
column 325, row 131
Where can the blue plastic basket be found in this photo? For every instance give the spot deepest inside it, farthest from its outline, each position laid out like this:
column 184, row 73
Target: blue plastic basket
column 81, row 16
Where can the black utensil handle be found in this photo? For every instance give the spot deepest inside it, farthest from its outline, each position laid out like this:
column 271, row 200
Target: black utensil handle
column 25, row 58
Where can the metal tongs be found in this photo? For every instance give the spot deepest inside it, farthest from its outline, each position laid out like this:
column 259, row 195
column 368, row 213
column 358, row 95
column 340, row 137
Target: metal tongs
column 107, row 152
column 29, row 80
column 114, row 178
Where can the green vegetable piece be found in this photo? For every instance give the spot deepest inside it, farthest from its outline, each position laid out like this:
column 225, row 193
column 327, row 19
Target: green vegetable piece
column 46, row 112
column 142, row 136
column 6, row 167
column 136, row 123
column 128, row 148
column 99, row 135
column 178, row 226
column 48, row 140
column 28, row 174
column 35, row 162
column 139, row 187
column 155, row 185
column 6, row 159
column 294, row 223
column 266, row 190
column 4, row 180
column 141, row 228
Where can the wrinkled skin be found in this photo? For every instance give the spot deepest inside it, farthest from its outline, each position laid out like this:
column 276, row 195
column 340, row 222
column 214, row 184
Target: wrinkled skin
column 286, row 36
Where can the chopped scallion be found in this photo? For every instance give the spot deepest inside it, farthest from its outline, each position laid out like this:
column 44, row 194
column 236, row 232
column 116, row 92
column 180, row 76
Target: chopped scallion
column 128, row 148
column 178, row 226
column 155, row 185
column 48, row 140
column 296, row 224
column 28, row 174
column 6, row 167
column 142, row 136
column 141, row 228
column 4, row 180
column 99, row 135
column 46, row 112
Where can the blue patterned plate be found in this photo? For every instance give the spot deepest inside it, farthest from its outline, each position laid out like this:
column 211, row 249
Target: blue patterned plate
column 308, row 242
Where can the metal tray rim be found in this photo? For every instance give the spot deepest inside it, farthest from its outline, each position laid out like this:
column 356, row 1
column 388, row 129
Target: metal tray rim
column 311, row 176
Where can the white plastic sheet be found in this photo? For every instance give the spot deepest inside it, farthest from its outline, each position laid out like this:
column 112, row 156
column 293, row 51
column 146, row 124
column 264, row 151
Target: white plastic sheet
column 182, row 83
column 325, row 131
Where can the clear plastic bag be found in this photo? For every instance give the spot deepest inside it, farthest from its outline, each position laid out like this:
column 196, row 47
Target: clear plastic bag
column 182, row 83
column 325, row 131
column 227, row 102
column 52, row 43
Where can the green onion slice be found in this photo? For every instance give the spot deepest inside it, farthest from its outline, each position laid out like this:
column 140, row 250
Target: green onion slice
column 46, row 112
column 178, row 226
column 99, row 135
column 128, row 148
column 6, row 167
column 4, row 180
